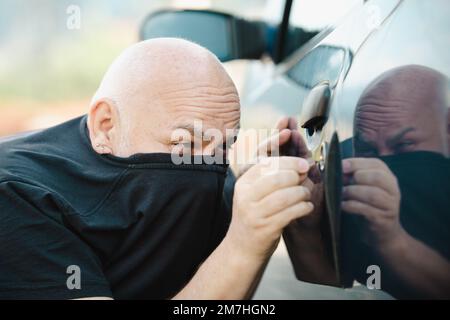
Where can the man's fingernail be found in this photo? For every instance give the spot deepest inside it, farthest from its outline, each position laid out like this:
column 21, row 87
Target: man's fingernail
column 346, row 166
column 311, row 162
column 303, row 165
column 344, row 192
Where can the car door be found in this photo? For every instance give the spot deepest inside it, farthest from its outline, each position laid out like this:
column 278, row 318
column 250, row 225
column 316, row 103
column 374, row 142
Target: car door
column 377, row 87
column 307, row 82
column 307, row 85
column 393, row 106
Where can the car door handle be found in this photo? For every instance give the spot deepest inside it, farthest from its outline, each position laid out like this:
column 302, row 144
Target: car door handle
column 315, row 109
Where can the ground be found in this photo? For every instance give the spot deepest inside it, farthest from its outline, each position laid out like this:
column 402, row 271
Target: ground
column 279, row 282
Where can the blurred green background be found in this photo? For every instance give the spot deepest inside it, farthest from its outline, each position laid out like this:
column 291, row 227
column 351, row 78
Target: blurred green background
column 48, row 72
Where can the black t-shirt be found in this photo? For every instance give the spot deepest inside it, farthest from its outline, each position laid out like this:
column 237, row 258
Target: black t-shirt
column 62, row 205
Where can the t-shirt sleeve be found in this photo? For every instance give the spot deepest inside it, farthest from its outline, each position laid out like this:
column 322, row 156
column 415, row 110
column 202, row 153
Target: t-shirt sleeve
column 40, row 258
column 228, row 191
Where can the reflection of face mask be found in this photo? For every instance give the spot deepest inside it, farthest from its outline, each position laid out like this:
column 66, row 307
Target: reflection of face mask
column 159, row 223
column 424, row 181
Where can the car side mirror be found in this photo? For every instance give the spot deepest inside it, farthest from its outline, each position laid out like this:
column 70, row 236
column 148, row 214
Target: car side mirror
column 226, row 36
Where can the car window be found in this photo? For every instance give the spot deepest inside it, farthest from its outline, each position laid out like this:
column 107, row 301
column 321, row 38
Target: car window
column 323, row 63
column 332, row 56
column 310, row 17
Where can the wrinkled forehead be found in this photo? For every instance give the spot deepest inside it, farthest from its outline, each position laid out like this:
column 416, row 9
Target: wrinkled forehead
column 217, row 104
column 405, row 95
column 183, row 103
column 380, row 113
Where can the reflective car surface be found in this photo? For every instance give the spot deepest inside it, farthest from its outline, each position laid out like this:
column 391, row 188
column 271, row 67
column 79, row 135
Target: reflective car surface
column 389, row 101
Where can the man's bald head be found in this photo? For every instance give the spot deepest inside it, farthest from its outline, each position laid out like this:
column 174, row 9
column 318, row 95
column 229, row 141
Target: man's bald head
column 404, row 109
column 151, row 87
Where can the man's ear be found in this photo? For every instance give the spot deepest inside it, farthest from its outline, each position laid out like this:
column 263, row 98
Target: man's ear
column 103, row 121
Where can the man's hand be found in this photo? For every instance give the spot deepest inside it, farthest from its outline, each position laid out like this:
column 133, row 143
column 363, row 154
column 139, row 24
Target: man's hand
column 267, row 198
column 372, row 191
column 286, row 142
column 302, row 236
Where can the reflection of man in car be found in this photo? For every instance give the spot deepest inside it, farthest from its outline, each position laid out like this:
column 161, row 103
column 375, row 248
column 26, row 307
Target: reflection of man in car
column 101, row 195
column 404, row 109
column 398, row 183
column 402, row 118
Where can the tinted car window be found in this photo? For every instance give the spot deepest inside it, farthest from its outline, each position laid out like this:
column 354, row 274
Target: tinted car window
column 323, row 63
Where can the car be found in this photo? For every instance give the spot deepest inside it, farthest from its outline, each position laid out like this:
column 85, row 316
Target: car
column 374, row 85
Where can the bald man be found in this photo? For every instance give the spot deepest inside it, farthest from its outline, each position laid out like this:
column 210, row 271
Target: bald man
column 97, row 207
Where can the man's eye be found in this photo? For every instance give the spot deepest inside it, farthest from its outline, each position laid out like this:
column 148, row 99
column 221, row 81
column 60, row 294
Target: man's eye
column 181, row 143
column 182, row 147
column 230, row 141
column 221, row 150
column 223, row 147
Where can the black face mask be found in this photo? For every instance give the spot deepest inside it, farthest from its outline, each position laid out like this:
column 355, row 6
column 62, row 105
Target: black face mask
column 158, row 224
column 424, row 181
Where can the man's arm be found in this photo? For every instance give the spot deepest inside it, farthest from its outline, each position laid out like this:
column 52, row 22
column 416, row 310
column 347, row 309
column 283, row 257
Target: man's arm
column 228, row 273
column 419, row 269
column 306, row 245
column 267, row 198
column 303, row 238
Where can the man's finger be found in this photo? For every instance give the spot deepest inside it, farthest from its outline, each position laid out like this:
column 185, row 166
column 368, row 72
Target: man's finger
column 284, row 198
column 298, row 146
column 377, row 178
column 352, row 165
column 282, row 123
column 362, row 209
column 286, row 163
column 292, row 123
column 273, row 164
column 268, row 183
column 284, row 217
column 272, row 144
column 373, row 196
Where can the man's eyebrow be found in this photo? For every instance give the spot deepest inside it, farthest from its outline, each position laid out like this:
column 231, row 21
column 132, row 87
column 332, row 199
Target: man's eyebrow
column 186, row 126
column 191, row 128
column 390, row 142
